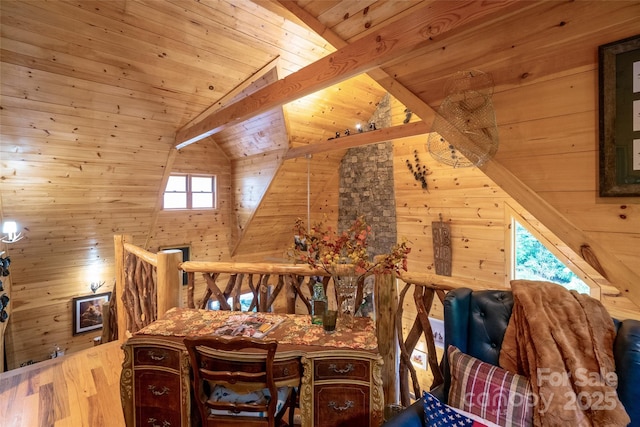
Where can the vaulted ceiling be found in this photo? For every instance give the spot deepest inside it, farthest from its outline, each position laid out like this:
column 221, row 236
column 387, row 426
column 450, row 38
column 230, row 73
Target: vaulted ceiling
column 95, row 92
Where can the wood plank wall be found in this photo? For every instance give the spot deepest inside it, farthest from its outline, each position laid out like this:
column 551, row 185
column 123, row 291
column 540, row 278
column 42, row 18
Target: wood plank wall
column 252, row 176
column 546, row 103
column 546, row 106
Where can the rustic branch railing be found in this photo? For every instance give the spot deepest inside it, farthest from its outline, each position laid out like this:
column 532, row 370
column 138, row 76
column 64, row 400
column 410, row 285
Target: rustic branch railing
column 149, row 274
column 140, row 292
column 260, row 280
column 109, row 321
column 425, row 288
column 147, row 285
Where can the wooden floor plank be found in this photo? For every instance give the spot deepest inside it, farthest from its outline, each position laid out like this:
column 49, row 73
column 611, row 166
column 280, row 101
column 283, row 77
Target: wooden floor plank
column 29, row 411
column 66, row 422
column 77, row 390
column 61, row 402
column 9, row 387
column 102, row 402
column 46, row 414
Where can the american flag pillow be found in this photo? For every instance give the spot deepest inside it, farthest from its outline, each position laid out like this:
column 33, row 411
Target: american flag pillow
column 437, row 414
column 489, row 391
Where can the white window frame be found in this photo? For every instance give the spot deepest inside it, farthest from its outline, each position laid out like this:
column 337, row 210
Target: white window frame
column 189, row 192
column 583, row 271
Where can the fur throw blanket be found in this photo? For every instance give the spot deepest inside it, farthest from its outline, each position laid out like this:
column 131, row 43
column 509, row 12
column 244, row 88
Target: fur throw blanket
column 563, row 341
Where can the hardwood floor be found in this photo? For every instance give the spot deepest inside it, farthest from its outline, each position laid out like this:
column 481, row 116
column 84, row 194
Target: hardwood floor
column 79, row 389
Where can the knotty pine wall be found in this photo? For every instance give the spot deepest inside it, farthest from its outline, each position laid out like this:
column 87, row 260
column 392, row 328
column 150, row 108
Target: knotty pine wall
column 252, row 177
column 92, row 96
column 546, row 102
column 32, row 337
column 208, row 232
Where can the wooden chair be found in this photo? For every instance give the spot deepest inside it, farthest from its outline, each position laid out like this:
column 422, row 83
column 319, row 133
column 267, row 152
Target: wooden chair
column 238, row 389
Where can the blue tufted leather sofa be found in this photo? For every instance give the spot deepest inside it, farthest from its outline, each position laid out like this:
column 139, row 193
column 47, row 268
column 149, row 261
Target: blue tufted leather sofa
column 475, row 322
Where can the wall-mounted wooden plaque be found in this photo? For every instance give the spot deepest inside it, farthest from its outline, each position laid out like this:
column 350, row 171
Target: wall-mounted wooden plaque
column 442, row 247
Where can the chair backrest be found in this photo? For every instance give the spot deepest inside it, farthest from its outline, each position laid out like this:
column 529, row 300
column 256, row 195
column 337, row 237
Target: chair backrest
column 215, row 362
column 475, row 322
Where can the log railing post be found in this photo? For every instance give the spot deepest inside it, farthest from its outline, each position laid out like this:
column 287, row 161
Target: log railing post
column 290, row 292
column 118, row 242
column 169, row 281
column 386, row 304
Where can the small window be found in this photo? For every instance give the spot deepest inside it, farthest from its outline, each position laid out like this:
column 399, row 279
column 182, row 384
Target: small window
column 190, row 192
column 534, row 253
column 533, row 261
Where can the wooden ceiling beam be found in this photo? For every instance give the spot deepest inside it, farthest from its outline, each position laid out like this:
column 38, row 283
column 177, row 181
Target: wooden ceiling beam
column 390, row 84
column 380, row 47
column 359, row 139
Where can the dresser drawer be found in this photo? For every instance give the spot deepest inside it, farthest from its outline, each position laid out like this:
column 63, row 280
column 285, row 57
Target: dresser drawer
column 157, row 389
column 156, row 356
column 337, row 405
column 344, row 369
column 156, row 417
column 287, row 370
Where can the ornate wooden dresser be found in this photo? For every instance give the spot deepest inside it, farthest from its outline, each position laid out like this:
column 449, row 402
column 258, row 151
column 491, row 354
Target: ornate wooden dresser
column 340, row 373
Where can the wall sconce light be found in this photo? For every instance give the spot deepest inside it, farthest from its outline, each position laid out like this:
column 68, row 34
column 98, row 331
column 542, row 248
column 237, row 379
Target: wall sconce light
column 10, row 229
column 95, row 286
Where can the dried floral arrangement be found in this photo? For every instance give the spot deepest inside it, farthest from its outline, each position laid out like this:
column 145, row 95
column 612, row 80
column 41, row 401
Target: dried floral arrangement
column 321, row 246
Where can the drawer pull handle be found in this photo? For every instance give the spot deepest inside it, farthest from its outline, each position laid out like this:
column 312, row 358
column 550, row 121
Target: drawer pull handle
column 346, row 370
column 163, row 391
column 347, row 405
column 157, row 356
column 155, row 423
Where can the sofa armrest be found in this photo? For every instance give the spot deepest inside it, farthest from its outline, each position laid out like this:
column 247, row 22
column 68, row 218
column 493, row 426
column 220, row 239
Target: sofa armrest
column 626, row 350
column 438, row 393
column 411, row 416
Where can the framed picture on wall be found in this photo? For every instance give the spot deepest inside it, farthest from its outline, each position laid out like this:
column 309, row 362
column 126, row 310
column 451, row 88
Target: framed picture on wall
column 619, row 99
column 419, row 359
column 437, row 327
column 87, row 312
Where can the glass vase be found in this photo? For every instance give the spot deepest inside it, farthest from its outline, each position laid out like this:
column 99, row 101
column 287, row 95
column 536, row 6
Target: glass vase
column 346, row 288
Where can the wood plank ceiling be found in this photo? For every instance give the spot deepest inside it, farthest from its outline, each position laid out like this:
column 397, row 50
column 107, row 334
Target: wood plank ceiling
column 94, row 92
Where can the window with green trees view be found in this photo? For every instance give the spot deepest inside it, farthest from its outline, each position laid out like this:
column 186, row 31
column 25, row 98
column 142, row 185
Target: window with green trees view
column 533, row 261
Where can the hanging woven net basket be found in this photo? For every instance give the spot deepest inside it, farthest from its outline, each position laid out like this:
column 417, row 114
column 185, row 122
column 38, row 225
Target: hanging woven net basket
column 464, row 132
